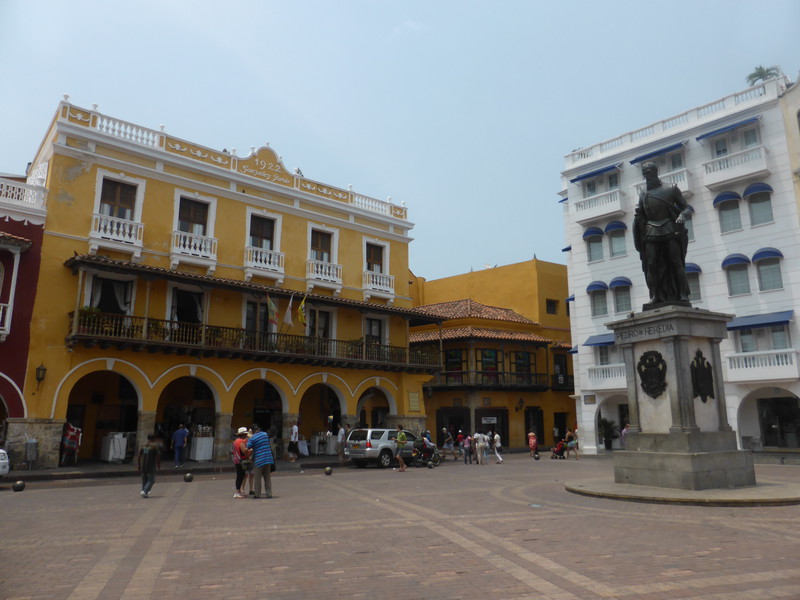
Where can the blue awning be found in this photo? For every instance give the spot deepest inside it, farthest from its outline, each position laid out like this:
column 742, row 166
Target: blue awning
column 755, row 188
column 735, row 259
column 592, row 174
column 655, row 153
column 728, row 128
column 615, row 226
column 596, row 286
column 570, row 298
column 592, row 232
column 726, row 197
column 693, row 268
column 767, row 253
column 765, row 320
column 602, row 339
column 563, row 200
column 573, row 350
column 620, row 282
column 567, row 249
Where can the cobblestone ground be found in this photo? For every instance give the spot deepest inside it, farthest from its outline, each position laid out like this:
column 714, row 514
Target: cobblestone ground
column 455, row 532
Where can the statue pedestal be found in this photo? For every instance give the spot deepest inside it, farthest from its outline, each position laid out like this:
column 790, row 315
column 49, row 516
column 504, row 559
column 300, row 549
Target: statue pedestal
column 679, row 435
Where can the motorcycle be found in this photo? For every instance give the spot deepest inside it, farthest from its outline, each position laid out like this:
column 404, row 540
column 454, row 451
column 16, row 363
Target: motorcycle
column 424, row 456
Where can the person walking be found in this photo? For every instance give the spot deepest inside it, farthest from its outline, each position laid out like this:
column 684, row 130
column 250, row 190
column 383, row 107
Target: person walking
column 624, row 433
column 497, row 447
column 533, row 444
column 447, row 445
column 460, row 442
column 480, row 446
column 242, row 462
column 293, row 450
column 401, row 444
column 262, row 460
column 149, row 462
column 180, row 439
column 340, row 439
column 467, row 441
column 572, row 443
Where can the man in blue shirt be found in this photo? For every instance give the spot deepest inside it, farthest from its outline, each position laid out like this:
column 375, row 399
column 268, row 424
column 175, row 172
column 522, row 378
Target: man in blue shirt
column 179, row 439
column 262, row 460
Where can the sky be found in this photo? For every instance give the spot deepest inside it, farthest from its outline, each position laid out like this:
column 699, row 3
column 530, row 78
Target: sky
column 461, row 110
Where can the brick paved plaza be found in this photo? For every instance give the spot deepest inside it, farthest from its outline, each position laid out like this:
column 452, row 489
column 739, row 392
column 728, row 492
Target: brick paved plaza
column 455, row 532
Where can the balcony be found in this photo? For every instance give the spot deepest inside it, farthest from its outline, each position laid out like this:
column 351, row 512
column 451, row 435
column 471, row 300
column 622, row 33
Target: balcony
column 193, row 249
column 261, row 262
column 769, row 365
column 379, row 285
column 116, row 234
column 125, row 332
column 606, row 205
column 562, row 382
column 323, row 274
column 607, row 377
column 23, row 202
column 679, row 178
column 489, row 380
column 727, row 170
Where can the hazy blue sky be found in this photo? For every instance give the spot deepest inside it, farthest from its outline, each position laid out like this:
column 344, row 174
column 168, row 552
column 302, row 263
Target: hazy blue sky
column 463, row 110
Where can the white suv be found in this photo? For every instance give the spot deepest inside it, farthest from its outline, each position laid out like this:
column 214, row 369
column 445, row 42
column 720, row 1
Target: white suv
column 376, row 445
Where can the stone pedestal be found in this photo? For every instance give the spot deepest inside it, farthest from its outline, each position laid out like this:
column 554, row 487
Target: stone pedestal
column 679, row 435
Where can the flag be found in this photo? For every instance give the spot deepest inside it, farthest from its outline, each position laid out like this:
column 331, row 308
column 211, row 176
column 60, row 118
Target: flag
column 273, row 311
column 287, row 316
column 301, row 310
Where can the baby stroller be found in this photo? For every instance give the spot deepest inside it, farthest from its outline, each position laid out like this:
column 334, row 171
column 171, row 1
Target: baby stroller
column 70, row 443
column 558, row 450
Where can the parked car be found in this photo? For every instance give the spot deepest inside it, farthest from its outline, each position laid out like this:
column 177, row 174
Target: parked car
column 367, row 445
column 4, row 466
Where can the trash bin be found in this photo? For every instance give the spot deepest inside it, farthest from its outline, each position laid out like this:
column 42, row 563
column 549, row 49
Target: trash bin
column 31, row 452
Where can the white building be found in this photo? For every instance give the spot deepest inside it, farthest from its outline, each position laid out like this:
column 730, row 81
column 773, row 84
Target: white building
column 736, row 162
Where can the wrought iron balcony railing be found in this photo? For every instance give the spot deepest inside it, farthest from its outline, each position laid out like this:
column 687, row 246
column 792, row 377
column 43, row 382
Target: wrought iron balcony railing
column 504, row 379
column 95, row 328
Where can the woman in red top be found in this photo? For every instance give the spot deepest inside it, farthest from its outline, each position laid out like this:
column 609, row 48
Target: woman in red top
column 241, row 459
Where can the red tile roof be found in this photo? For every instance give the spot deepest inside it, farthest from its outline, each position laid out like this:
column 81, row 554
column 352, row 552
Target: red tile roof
column 14, row 240
column 468, row 308
column 463, row 333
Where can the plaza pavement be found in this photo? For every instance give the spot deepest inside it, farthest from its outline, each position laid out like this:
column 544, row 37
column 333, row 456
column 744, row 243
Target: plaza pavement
column 507, row 531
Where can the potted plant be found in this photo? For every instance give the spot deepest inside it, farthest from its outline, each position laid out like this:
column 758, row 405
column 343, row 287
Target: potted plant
column 607, row 430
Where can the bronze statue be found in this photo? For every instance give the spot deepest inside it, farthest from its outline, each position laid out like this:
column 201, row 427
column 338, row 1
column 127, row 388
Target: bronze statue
column 660, row 237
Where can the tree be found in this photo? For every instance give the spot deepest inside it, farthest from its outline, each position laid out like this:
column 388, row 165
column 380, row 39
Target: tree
column 761, row 73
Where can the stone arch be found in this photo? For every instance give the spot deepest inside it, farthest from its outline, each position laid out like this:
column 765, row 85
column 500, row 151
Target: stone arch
column 768, row 416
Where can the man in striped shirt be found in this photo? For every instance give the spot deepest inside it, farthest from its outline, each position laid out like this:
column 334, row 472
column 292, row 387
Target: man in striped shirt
column 262, row 460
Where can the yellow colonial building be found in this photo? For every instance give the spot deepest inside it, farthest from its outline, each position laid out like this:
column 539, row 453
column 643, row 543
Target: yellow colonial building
column 183, row 284
column 506, row 363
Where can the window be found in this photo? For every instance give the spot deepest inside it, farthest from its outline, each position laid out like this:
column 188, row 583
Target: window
column 616, row 243
column 749, row 138
column 321, row 245
column 110, row 295
column 374, row 258
column 192, row 216
column 622, row 299
column 257, row 317
column 488, row 363
column 453, row 365
column 599, row 303
column 319, row 323
column 613, row 181
column 747, row 340
column 594, row 247
column 521, row 362
column 775, row 337
column 779, row 337
column 117, row 199
column 760, row 206
column 551, row 306
column 738, row 280
column 769, row 274
column 720, row 147
column 187, row 307
column 262, row 232
column 373, row 331
column 694, row 286
column 729, row 217
column 590, row 189
column 603, row 355
column 675, row 161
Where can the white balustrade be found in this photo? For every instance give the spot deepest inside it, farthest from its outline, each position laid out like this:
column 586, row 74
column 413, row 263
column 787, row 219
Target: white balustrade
column 128, row 131
column 194, row 245
column 679, row 178
column 323, row 271
column 734, row 160
column 766, row 365
column 262, row 258
column 22, row 194
column 116, row 229
column 605, row 204
column 380, row 282
column 607, row 377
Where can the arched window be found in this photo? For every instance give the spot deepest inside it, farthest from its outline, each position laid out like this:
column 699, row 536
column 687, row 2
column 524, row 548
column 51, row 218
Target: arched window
column 737, row 273
column 594, row 243
column 768, row 267
column 727, row 203
column 759, row 203
column 615, row 231
column 597, row 297
column 693, row 277
column 621, row 290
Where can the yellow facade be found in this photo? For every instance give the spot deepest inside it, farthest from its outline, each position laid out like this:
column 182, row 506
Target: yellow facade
column 151, row 307
column 508, row 401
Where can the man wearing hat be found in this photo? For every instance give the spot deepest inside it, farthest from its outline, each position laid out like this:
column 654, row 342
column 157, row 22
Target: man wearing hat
column 242, row 462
